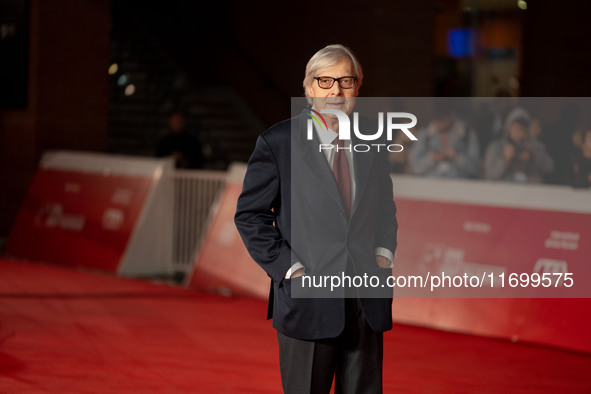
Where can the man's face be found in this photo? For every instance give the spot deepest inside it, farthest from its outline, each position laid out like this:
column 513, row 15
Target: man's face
column 444, row 122
column 334, row 97
column 517, row 132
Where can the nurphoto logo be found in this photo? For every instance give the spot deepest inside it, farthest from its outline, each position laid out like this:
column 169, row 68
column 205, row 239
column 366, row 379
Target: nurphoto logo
column 345, row 130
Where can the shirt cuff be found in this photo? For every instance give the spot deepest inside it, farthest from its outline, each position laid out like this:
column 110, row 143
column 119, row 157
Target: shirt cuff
column 385, row 253
column 294, row 268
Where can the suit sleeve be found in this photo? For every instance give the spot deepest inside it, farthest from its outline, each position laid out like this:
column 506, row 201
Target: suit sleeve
column 387, row 224
column 255, row 217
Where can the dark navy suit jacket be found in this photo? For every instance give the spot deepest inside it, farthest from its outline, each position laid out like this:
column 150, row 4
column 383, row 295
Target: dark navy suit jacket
column 290, row 210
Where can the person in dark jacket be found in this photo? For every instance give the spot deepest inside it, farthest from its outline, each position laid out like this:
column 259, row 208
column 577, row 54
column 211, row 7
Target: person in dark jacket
column 516, row 157
column 180, row 144
column 308, row 213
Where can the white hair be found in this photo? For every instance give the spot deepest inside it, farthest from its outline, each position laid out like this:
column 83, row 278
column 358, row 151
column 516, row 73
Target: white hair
column 327, row 57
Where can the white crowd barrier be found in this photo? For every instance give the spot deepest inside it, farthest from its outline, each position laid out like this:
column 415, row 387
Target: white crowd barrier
column 195, row 192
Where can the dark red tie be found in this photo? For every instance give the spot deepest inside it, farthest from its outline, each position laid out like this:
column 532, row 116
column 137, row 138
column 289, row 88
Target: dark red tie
column 340, row 169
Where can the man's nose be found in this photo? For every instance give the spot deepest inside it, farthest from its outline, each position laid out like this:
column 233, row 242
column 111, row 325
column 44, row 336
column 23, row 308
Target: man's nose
column 336, row 89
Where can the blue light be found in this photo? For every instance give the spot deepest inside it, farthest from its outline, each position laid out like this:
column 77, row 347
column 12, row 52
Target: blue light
column 122, row 80
column 461, row 42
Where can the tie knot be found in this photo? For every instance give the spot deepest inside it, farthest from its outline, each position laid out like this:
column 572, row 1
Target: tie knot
column 339, row 142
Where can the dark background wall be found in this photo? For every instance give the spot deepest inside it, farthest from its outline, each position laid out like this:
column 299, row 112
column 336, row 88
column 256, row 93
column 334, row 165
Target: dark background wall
column 555, row 61
column 259, row 50
column 67, row 93
column 392, row 39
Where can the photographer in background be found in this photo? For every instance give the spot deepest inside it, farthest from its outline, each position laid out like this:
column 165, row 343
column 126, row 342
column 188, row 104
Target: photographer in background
column 581, row 165
column 446, row 148
column 180, row 143
column 516, row 157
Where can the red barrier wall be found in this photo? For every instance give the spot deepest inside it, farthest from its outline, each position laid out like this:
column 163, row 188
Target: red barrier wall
column 435, row 234
column 96, row 211
column 76, row 218
column 223, row 259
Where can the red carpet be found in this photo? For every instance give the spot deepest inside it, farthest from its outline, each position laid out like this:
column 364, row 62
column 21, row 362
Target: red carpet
column 63, row 331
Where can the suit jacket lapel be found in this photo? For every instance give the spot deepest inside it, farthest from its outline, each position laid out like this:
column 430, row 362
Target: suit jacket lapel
column 315, row 160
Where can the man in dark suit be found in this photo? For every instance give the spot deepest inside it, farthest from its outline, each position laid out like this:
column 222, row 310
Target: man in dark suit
column 322, row 213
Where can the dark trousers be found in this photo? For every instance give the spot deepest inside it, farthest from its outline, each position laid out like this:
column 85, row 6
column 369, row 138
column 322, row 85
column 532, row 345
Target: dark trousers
column 354, row 359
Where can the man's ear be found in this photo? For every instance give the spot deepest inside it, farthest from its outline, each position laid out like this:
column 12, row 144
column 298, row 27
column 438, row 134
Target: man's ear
column 309, row 91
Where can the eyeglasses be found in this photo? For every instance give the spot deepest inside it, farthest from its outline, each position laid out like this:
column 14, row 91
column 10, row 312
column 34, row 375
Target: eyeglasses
column 344, row 82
